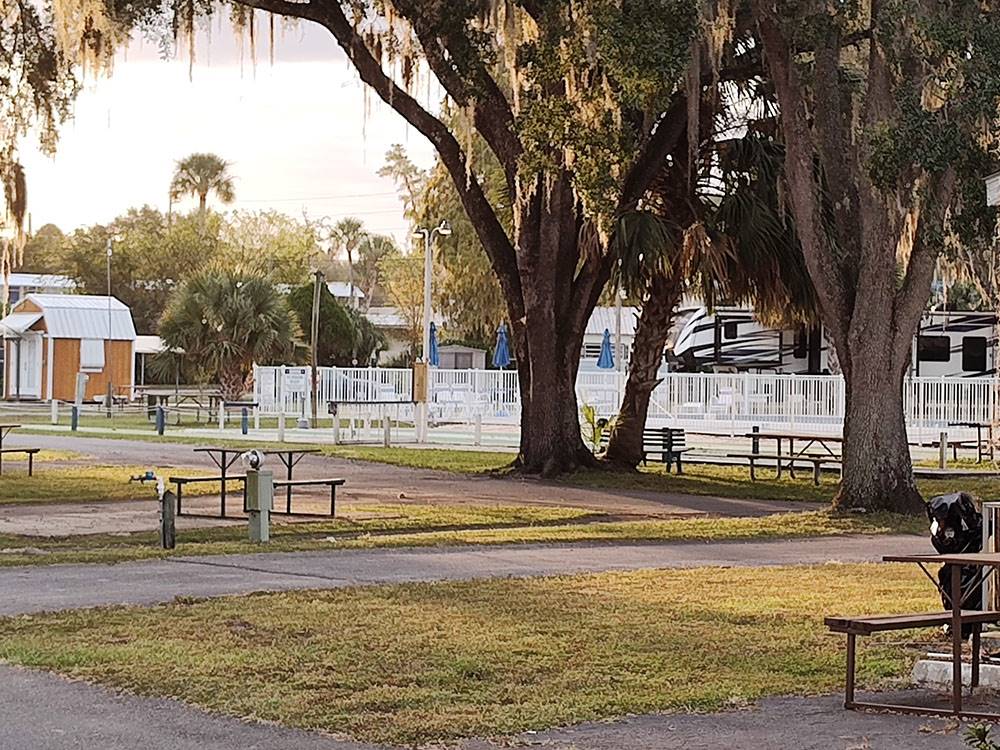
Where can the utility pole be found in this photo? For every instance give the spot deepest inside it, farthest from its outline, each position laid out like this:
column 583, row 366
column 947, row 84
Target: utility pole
column 315, row 343
column 107, row 346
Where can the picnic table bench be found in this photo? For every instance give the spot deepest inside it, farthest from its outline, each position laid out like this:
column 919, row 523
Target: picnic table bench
column 815, row 450
column 182, row 482
column 956, row 617
column 332, row 483
column 983, row 448
column 669, row 442
column 817, row 461
column 5, row 430
column 225, row 457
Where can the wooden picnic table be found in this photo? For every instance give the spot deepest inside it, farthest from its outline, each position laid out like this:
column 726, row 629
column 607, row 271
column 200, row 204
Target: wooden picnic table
column 808, row 440
column 987, row 563
column 289, row 458
column 979, row 427
column 5, row 429
column 224, row 458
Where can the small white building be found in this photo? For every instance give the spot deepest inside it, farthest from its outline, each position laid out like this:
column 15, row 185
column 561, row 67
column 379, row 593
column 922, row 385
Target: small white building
column 459, row 357
column 607, row 318
column 993, row 190
column 341, row 290
column 51, row 338
column 390, row 321
column 20, row 285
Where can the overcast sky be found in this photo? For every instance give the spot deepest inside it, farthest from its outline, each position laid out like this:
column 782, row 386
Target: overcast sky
column 295, row 132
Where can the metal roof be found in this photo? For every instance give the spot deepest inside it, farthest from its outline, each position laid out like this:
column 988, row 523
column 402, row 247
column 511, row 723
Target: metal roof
column 145, row 344
column 342, row 290
column 43, row 281
column 78, row 316
column 17, row 323
column 607, row 317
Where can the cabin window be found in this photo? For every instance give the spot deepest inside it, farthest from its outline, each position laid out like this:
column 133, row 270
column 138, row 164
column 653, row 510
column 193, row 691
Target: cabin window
column 91, row 354
column 933, row 348
column 974, row 354
column 730, row 330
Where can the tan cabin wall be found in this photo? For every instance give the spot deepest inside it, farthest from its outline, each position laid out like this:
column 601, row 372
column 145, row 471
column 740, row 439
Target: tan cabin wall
column 117, row 363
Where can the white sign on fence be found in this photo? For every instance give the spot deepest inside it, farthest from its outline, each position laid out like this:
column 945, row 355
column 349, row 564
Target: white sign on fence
column 296, row 380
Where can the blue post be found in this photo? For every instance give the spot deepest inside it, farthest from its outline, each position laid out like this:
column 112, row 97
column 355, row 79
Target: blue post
column 74, row 417
column 161, row 419
column 245, row 421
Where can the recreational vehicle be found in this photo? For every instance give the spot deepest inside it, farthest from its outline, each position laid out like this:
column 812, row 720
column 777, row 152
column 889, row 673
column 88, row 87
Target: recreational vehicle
column 948, row 344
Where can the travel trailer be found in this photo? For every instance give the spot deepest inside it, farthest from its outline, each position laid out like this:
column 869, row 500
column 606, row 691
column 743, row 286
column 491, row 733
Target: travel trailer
column 948, row 344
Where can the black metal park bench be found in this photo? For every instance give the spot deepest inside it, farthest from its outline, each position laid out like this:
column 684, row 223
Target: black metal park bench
column 669, row 443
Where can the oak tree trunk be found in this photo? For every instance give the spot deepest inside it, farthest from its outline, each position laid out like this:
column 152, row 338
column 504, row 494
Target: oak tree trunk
column 878, row 474
column 625, row 446
column 557, row 297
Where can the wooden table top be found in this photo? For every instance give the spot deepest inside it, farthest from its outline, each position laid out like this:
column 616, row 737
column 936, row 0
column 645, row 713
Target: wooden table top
column 795, row 436
column 981, row 559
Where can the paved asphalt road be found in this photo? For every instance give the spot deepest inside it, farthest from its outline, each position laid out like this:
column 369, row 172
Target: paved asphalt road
column 40, row 711
column 56, row 587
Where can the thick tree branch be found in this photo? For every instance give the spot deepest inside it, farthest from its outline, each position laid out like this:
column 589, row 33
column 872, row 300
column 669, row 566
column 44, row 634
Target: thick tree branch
column 804, row 192
column 651, row 158
column 481, row 214
column 911, row 297
column 492, row 114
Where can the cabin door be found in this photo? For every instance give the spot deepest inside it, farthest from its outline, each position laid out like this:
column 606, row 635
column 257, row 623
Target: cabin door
column 28, row 355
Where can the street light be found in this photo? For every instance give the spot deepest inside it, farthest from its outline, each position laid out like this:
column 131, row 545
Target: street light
column 444, row 230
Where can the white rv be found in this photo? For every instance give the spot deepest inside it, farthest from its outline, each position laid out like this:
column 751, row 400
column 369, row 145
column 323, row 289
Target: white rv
column 949, row 344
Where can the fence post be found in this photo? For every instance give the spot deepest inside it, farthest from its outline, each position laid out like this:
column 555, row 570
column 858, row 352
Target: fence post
column 281, row 404
column 755, row 441
column 245, row 421
column 222, row 415
column 943, row 450
column 161, row 419
column 74, row 417
column 55, row 411
column 386, row 429
column 479, row 429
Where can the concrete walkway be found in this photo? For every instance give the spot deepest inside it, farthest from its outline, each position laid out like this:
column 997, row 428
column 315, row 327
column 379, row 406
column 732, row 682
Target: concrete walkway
column 771, row 724
column 58, row 587
column 369, row 483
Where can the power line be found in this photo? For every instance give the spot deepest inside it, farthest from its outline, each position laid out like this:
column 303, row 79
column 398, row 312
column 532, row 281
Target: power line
column 344, row 196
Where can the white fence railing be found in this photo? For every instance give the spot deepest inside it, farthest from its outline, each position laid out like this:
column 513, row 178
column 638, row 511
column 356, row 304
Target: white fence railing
column 708, row 401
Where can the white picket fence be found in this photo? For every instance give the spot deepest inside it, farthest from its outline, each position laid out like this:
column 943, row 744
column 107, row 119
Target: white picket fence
column 723, row 403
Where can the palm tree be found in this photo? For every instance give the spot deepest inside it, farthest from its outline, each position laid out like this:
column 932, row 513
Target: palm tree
column 726, row 239
column 201, row 174
column 347, row 235
column 224, row 321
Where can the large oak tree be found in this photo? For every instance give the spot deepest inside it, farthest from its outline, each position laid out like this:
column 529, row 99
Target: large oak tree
column 571, row 96
column 890, row 110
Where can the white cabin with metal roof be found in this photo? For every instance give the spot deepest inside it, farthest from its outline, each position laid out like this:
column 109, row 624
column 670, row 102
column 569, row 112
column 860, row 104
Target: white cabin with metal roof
column 51, row 339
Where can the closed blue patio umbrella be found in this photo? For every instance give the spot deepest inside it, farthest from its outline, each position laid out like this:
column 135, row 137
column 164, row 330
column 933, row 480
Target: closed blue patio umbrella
column 433, row 357
column 607, row 360
column 501, row 353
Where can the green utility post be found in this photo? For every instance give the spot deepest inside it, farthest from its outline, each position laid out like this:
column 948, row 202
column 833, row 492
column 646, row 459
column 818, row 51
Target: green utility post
column 168, row 506
column 260, row 498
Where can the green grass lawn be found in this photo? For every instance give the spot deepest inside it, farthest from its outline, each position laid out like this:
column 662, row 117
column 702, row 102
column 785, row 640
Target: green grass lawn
column 371, row 526
column 420, row 663
column 81, row 484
